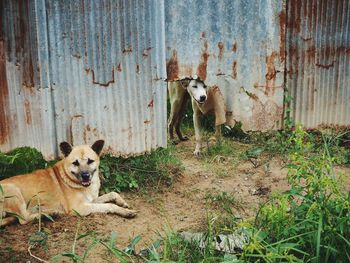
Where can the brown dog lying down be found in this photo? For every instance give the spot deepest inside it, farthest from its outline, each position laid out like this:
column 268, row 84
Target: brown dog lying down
column 72, row 184
column 204, row 100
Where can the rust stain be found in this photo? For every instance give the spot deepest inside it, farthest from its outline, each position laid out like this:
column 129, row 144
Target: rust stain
column 146, row 52
column 150, row 105
column 234, row 69
column 187, row 70
column 23, row 45
column 271, row 73
column 21, row 32
column 221, row 50
column 267, row 116
column 119, row 67
column 127, row 50
column 311, row 53
column 147, row 122
column 138, row 69
column 343, row 49
column 295, row 15
column 202, row 67
column 86, row 133
column 156, row 77
column 28, row 75
column 76, row 55
column 282, row 23
column 203, row 35
column 250, row 94
column 311, row 91
column 253, row 96
column 27, row 112
column 325, row 66
column 172, row 67
column 98, row 83
column 234, row 47
column 4, row 126
column 306, row 39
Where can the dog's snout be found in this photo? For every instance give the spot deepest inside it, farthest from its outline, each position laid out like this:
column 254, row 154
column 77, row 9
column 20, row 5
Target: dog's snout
column 202, row 98
column 85, row 175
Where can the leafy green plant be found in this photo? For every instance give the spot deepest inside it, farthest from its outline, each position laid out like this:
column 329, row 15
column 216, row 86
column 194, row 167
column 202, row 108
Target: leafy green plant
column 314, row 205
column 224, row 201
column 19, row 161
column 308, row 223
column 154, row 169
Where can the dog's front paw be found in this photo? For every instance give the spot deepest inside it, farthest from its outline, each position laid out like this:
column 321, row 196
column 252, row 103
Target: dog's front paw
column 212, row 139
column 184, row 138
column 130, row 213
column 173, row 142
column 197, row 153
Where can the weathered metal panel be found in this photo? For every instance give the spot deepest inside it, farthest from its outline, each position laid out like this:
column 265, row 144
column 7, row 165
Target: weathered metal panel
column 106, row 66
column 236, row 45
column 99, row 64
column 318, row 62
column 26, row 114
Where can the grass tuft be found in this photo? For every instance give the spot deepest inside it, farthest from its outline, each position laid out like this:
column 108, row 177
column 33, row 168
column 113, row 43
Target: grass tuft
column 156, row 169
column 20, row 161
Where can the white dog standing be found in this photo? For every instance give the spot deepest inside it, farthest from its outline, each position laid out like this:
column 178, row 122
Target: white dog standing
column 204, row 100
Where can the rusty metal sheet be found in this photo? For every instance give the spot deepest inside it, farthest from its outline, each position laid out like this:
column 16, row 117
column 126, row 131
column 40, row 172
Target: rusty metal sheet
column 26, row 114
column 81, row 71
column 238, row 46
column 318, row 62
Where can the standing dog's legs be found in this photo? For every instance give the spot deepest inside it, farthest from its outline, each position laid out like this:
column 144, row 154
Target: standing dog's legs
column 178, row 97
column 217, row 136
column 197, row 128
column 173, row 118
column 180, row 116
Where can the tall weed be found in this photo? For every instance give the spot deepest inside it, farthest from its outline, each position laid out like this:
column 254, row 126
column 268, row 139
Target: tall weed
column 314, row 214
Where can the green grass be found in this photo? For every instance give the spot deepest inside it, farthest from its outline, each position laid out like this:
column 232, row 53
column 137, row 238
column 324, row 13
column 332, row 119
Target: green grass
column 151, row 170
column 308, row 223
column 20, row 161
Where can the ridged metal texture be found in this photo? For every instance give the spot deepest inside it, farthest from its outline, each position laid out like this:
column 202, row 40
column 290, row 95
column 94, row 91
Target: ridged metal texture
column 26, row 106
column 81, row 71
column 238, row 46
column 318, row 62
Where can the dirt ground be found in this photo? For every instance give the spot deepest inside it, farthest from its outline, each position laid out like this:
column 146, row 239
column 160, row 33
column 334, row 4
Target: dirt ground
column 182, row 206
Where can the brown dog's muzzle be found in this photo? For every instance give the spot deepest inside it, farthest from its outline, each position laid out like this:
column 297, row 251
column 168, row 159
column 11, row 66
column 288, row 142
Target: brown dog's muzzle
column 85, row 178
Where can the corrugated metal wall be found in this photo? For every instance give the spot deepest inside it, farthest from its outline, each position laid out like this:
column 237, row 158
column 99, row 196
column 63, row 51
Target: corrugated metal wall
column 318, row 62
column 83, row 70
column 237, row 45
column 26, row 115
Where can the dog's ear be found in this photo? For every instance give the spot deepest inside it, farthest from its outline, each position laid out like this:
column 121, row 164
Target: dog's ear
column 97, row 146
column 66, row 148
column 185, row 82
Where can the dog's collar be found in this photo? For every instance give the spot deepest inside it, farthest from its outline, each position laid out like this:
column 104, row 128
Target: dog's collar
column 66, row 179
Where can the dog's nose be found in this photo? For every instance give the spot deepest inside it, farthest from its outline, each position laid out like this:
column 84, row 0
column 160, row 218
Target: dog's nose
column 85, row 175
column 202, row 98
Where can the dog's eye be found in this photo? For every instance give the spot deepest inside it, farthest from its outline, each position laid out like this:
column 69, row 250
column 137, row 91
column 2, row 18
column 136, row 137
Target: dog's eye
column 90, row 161
column 194, row 87
column 76, row 163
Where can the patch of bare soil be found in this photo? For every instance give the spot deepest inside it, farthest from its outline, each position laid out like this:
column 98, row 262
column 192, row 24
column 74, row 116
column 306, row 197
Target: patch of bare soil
column 183, row 206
